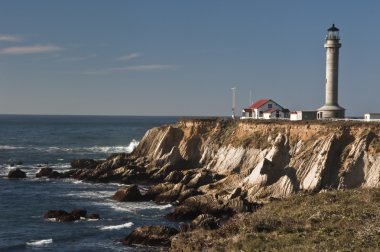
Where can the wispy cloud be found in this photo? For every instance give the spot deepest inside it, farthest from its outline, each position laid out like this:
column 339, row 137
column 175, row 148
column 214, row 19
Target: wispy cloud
column 22, row 50
column 9, row 38
column 129, row 56
column 137, row 68
column 143, row 68
column 74, row 59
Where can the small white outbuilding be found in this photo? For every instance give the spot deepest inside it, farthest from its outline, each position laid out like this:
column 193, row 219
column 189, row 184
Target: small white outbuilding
column 372, row 117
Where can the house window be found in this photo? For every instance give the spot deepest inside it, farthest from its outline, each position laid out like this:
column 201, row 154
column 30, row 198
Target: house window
column 270, row 105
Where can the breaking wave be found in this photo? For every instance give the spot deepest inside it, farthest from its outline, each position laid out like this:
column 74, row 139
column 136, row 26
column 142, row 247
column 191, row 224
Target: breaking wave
column 9, row 147
column 40, row 242
column 116, row 227
column 96, row 149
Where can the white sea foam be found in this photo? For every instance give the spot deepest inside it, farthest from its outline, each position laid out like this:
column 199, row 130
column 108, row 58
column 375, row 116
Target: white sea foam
column 133, row 206
column 40, row 242
column 9, row 147
column 112, row 149
column 116, row 227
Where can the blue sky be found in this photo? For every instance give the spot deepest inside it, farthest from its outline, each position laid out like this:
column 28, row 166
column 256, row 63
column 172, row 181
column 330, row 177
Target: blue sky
column 182, row 57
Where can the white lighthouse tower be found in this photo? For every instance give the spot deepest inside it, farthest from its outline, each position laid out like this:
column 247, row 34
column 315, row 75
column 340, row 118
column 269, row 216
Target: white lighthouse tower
column 331, row 109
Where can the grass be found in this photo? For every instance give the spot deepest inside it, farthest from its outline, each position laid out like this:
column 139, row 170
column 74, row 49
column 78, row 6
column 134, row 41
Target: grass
column 331, row 221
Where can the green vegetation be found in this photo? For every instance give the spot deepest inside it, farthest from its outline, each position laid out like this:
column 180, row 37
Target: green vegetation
column 331, row 221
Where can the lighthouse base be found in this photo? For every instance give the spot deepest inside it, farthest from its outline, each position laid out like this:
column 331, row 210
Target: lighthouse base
column 330, row 112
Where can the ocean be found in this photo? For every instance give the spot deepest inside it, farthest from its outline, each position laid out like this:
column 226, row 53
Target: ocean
column 30, row 142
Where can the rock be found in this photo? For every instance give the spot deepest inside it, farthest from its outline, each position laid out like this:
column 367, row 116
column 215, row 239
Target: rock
column 79, row 212
column 84, row 164
column 94, row 216
column 205, row 221
column 55, row 174
column 55, row 214
column 235, row 193
column 67, row 218
column 158, row 189
column 187, row 194
column 130, row 193
column 150, row 235
column 16, row 173
column 171, row 195
column 201, row 179
column 44, row 172
column 63, row 216
column 174, row 177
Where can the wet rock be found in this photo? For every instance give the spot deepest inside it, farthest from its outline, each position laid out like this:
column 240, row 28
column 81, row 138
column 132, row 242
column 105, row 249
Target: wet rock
column 130, row 193
column 44, row 172
column 55, row 174
column 94, row 216
column 63, row 216
column 150, row 235
column 84, row 164
column 16, row 173
column 67, row 218
column 80, row 212
column 55, row 214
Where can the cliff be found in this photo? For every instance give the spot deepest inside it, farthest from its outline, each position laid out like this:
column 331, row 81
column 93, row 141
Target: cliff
column 212, row 169
column 270, row 158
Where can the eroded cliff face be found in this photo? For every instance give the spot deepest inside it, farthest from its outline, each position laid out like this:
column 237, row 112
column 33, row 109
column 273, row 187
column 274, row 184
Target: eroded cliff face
column 268, row 158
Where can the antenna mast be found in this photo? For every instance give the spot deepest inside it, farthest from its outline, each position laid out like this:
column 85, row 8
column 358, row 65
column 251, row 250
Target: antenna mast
column 233, row 102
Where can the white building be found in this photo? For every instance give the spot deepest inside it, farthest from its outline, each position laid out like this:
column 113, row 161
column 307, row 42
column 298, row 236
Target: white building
column 372, row 117
column 303, row 115
column 265, row 109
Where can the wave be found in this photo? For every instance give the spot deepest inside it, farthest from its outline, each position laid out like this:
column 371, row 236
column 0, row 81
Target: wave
column 94, row 149
column 10, row 147
column 117, row 227
column 133, row 206
column 112, row 149
column 40, row 242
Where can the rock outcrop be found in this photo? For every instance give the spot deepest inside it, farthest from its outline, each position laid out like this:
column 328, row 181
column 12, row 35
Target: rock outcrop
column 130, row 193
column 150, row 235
column 215, row 168
column 74, row 215
column 16, row 173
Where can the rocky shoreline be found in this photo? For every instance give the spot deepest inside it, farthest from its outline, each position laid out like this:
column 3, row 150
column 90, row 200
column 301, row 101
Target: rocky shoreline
column 211, row 170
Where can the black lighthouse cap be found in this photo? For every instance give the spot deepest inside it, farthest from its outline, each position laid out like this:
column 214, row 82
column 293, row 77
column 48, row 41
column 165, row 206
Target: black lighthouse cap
column 333, row 28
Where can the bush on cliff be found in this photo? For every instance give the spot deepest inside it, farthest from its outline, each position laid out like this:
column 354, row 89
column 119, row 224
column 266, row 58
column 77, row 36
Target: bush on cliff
column 330, row 221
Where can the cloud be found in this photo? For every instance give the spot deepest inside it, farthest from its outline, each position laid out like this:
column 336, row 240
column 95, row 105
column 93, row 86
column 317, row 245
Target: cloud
column 130, row 56
column 144, row 68
column 74, row 59
column 137, row 68
column 22, row 50
column 9, row 38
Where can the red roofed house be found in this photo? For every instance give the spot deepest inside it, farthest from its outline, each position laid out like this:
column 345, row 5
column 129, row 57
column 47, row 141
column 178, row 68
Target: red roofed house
column 265, row 109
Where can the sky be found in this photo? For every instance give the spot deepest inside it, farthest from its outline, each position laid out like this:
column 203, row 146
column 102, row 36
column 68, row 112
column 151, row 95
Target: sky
column 173, row 57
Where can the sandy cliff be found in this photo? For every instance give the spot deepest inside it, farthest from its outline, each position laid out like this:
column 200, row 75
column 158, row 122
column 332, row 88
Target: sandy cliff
column 269, row 158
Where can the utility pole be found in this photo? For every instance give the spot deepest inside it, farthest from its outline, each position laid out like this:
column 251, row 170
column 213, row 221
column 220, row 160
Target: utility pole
column 250, row 97
column 233, row 102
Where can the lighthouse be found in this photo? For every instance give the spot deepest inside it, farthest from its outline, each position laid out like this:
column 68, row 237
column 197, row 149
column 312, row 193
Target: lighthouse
column 331, row 109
